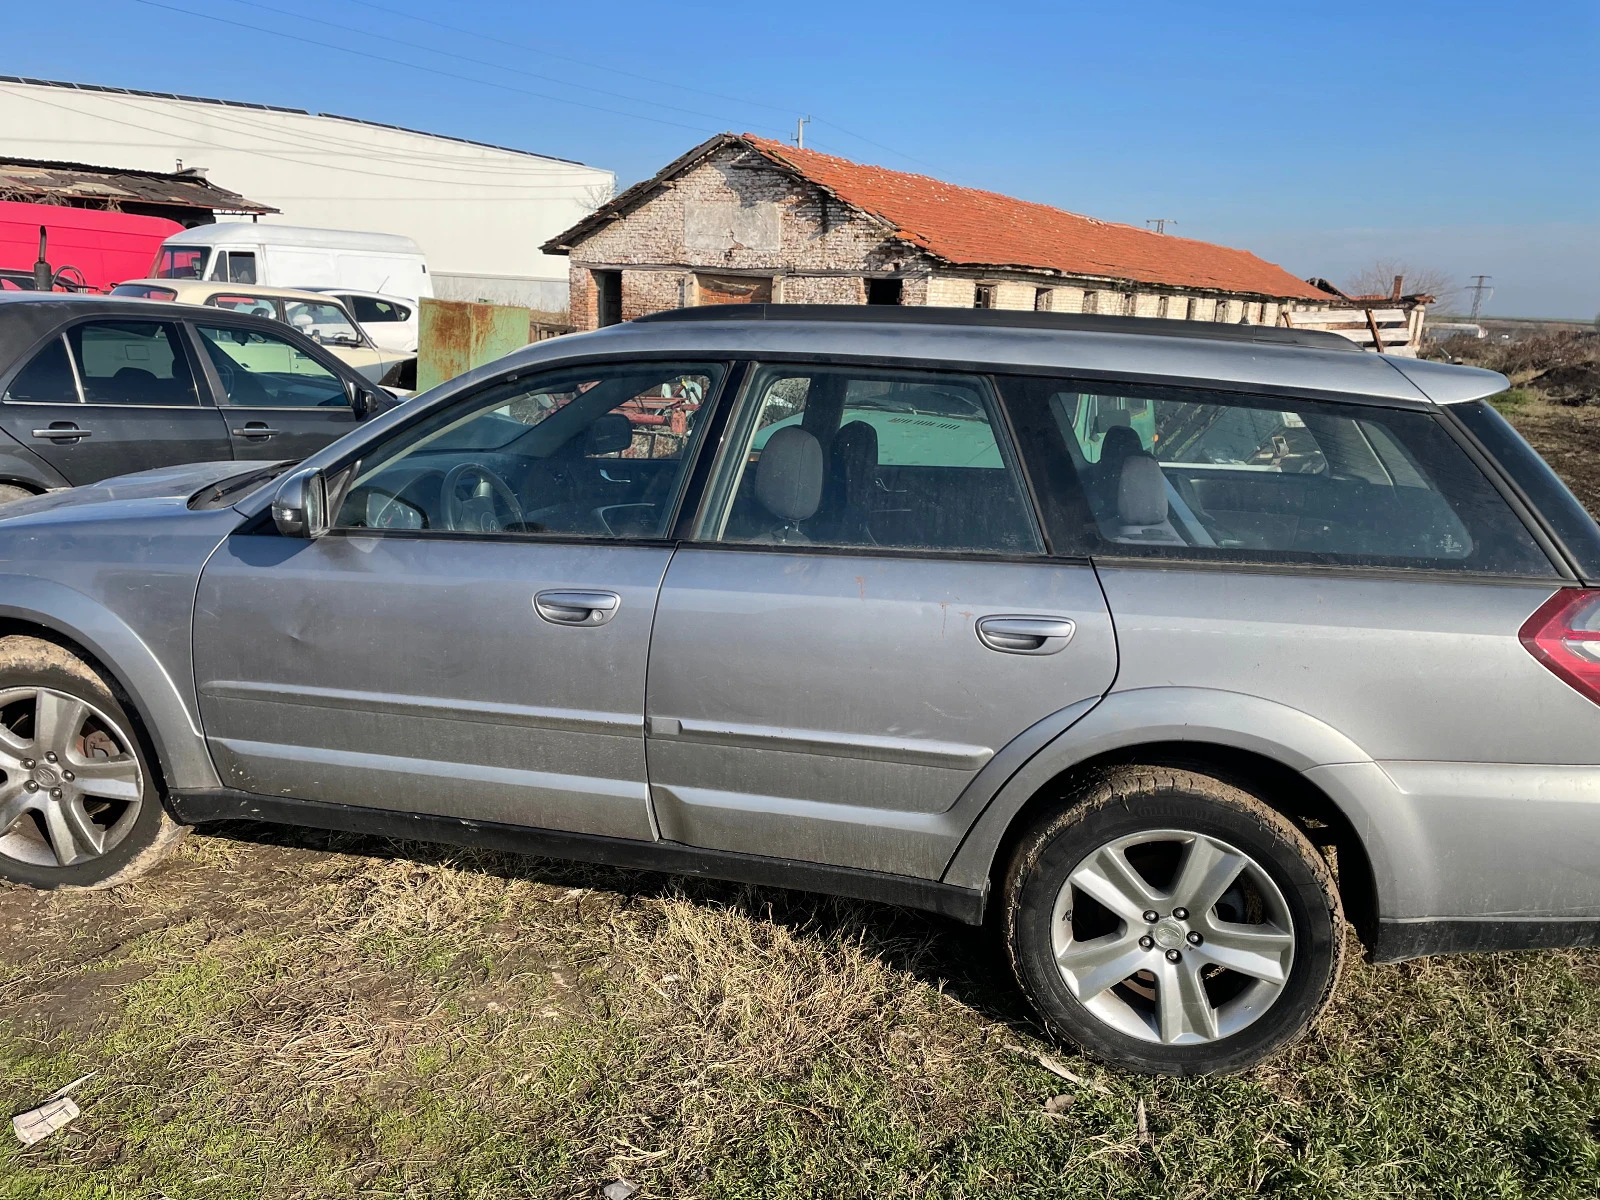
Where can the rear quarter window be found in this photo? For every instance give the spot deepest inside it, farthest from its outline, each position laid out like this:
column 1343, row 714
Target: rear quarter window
column 1179, row 473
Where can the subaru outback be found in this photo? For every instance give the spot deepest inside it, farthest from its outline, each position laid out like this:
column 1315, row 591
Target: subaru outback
column 1164, row 649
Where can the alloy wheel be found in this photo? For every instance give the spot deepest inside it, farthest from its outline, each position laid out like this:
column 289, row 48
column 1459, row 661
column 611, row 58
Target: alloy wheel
column 72, row 785
column 1173, row 936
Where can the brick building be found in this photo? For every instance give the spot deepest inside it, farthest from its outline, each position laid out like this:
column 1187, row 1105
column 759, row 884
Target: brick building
column 743, row 218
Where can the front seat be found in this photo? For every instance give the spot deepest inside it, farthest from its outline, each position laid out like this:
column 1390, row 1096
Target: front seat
column 1142, row 502
column 789, row 482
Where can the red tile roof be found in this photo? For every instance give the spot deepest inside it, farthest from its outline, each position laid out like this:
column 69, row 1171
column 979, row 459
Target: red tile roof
column 969, row 227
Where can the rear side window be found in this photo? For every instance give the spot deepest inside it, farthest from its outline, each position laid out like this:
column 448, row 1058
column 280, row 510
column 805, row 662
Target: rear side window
column 1570, row 521
column 1191, row 474
column 132, row 362
column 48, row 378
column 869, row 458
column 376, row 312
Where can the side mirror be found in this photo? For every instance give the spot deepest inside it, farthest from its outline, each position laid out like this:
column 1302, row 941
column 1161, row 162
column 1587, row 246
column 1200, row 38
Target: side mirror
column 300, row 509
column 363, row 400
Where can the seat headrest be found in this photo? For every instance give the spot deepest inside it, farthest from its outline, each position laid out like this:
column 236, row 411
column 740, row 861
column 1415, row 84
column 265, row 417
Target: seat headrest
column 789, row 474
column 856, row 440
column 1119, row 442
column 1141, row 491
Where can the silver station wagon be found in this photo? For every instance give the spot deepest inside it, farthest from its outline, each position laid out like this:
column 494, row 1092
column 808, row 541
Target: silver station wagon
column 1165, row 648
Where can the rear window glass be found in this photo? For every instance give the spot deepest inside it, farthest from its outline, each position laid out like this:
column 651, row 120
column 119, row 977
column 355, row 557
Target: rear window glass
column 1574, row 528
column 1199, row 474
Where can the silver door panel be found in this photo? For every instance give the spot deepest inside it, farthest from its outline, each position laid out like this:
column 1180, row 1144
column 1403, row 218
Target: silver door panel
column 454, row 696
column 1404, row 668
column 832, row 706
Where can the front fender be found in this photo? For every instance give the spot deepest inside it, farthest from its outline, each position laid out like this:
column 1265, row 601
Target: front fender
column 1203, row 715
column 164, row 702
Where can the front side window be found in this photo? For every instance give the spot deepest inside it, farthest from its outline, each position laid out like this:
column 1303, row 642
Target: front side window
column 322, row 322
column 180, row 262
column 862, row 457
column 132, row 362
column 47, row 379
column 261, row 370
column 241, row 266
column 1199, row 474
column 586, row 452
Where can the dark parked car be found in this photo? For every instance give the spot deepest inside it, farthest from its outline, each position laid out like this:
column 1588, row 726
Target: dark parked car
column 92, row 387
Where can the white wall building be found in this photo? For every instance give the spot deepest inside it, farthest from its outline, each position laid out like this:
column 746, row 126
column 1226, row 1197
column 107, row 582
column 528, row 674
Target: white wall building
column 479, row 212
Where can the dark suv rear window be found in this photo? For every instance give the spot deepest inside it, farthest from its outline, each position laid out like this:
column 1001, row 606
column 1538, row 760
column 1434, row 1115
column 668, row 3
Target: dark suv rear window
column 1574, row 528
column 1181, row 473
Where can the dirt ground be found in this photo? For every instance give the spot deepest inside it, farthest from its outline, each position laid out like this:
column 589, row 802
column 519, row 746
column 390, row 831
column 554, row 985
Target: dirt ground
column 280, row 1013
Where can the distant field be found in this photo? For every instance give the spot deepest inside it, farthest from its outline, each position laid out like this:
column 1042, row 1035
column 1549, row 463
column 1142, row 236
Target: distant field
column 277, row 1014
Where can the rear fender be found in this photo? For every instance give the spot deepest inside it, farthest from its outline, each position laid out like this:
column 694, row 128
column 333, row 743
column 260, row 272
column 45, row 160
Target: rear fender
column 1295, row 739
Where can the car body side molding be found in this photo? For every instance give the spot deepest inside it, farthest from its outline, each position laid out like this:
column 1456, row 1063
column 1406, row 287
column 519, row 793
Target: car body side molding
column 196, row 806
column 1398, row 941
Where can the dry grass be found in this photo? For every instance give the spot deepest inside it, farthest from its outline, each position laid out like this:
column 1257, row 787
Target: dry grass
column 287, row 1015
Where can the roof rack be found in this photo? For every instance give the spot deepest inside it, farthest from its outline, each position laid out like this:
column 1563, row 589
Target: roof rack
column 999, row 318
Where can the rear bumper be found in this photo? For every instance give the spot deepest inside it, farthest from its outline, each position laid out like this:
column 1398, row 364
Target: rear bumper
column 1478, row 844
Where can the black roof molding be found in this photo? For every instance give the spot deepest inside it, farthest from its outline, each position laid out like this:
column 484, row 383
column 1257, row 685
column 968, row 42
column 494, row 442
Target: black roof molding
column 999, row 318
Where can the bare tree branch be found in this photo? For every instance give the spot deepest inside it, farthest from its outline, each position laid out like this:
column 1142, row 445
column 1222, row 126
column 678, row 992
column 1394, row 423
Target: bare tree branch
column 1378, row 280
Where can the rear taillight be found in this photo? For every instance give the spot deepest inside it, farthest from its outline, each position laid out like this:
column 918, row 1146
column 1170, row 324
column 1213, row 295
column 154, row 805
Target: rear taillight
column 1564, row 634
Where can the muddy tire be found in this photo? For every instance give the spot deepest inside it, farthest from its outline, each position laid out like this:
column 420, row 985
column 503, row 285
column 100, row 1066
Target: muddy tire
column 79, row 804
column 1170, row 923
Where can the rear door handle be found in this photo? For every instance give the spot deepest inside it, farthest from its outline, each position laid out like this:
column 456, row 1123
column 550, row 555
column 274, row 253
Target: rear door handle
column 577, row 608
column 1025, row 635
column 61, row 430
column 255, row 429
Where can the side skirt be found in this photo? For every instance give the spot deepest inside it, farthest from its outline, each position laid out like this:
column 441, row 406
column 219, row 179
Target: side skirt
column 1400, row 940
column 672, row 858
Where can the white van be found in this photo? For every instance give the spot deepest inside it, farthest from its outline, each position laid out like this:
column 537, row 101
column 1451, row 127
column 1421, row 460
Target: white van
column 290, row 256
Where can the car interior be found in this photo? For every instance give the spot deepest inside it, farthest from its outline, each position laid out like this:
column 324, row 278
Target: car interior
column 581, row 456
column 901, row 460
column 1211, row 475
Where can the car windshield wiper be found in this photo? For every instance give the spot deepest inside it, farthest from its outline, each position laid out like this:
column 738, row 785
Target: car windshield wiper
column 220, row 495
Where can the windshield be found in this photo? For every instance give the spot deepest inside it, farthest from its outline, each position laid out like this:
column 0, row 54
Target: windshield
column 180, row 262
column 325, row 323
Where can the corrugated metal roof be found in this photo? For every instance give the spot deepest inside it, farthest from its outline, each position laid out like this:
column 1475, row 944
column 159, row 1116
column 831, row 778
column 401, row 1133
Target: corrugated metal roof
column 55, row 182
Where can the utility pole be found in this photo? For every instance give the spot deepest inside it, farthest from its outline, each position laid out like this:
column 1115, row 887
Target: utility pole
column 1481, row 291
column 1159, row 223
column 800, row 132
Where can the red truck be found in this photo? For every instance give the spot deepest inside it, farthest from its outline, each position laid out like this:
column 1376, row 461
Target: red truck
column 88, row 250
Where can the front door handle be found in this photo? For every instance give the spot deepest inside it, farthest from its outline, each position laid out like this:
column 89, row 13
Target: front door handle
column 577, row 608
column 255, row 429
column 1025, row 635
column 62, row 431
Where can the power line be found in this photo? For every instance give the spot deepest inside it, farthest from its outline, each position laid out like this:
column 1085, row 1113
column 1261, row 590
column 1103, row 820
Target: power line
column 411, row 66
column 479, row 62
column 592, row 66
column 145, row 126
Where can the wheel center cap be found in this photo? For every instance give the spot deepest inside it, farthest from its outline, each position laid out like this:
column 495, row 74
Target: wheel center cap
column 45, row 777
column 1168, row 934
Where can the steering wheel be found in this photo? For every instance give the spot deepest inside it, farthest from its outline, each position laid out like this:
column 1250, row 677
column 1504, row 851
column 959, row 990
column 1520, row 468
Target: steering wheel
column 478, row 512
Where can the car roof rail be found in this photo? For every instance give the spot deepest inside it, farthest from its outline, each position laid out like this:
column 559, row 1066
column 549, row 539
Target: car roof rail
column 999, row 318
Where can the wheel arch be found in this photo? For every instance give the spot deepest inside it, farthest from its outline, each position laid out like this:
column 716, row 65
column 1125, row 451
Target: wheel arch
column 1257, row 745
column 153, row 701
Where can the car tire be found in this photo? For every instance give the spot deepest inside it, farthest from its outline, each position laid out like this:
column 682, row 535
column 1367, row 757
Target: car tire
column 80, row 806
column 1214, row 990
column 11, row 491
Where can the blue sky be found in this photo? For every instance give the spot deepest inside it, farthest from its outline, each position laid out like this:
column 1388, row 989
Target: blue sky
column 1463, row 137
